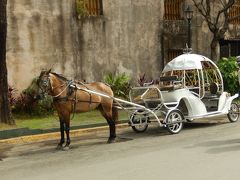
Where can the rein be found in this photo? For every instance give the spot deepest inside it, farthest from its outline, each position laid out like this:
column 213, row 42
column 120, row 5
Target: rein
column 70, row 82
column 72, row 86
column 60, row 85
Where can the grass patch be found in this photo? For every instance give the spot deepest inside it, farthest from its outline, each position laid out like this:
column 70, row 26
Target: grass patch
column 6, row 126
column 51, row 121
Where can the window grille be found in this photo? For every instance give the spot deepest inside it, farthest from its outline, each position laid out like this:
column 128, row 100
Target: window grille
column 172, row 53
column 235, row 11
column 172, row 9
column 90, row 7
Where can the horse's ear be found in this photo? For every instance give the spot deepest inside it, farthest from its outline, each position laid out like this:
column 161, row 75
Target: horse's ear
column 49, row 71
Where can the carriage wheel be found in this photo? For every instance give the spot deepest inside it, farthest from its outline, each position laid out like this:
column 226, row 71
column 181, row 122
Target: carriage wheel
column 140, row 122
column 233, row 113
column 174, row 121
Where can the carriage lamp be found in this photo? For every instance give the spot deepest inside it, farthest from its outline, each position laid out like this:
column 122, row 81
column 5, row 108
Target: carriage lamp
column 188, row 15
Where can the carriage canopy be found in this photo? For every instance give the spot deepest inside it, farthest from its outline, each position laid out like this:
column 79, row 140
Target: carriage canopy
column 187, row 62
column 197, row 73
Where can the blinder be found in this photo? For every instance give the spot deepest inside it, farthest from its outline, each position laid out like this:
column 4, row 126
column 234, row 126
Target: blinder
column 44, row 85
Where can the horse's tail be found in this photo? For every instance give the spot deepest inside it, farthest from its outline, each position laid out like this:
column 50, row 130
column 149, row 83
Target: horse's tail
column 115, row 114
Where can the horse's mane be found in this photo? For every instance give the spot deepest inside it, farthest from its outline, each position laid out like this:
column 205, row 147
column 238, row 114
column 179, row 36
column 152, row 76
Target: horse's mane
column 76, row 81
column 60, row 76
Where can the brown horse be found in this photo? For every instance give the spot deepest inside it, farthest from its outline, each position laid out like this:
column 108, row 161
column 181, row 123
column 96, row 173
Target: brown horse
column 69, row 98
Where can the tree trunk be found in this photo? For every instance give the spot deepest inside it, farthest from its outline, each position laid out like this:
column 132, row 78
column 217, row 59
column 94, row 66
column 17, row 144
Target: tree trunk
column 215, row 49
column 5, row 113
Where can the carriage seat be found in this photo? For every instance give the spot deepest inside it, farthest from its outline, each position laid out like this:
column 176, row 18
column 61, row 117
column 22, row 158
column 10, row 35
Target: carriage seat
column 170, row 83
column 213, row 92
column 170, row 87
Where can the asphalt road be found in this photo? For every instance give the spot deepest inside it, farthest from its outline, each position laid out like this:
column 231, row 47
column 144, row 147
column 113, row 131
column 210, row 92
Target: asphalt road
column 204, row 150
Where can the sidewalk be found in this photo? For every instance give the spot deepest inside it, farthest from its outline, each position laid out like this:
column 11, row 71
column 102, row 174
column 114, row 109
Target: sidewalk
column 25, row 135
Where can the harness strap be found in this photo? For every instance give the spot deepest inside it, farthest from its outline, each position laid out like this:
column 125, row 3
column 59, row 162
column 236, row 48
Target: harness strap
column 70, row 82
column 74, row 103
column 90, row 95
column 75, row 100
column 66, row 98
column 60, row 98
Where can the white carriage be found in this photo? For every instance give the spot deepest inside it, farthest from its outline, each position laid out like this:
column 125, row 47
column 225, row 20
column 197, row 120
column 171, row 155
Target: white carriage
column 191, row 87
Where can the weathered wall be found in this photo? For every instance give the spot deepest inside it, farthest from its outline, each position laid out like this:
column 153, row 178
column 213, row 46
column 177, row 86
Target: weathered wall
column 43, row 33
column 40, row 35
column 125, row 39
column 130, row 37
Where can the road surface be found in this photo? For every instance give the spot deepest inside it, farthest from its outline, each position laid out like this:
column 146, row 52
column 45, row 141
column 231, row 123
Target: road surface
column 204, row 150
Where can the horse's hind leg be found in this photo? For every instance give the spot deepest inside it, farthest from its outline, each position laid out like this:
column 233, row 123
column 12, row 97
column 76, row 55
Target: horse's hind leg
column 112, row 128
column 111, row 123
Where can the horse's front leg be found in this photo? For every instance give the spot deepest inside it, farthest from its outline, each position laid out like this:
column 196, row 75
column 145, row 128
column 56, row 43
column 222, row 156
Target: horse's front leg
column 62, row 140
column 67, row 130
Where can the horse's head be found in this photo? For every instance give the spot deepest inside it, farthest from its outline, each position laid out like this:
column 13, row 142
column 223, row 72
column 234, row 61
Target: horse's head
column 44, row 83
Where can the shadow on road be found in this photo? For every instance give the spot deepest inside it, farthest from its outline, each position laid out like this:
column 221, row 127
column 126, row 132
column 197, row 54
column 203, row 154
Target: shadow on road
column 124, row 135
column 221, row 146
column 3, row 151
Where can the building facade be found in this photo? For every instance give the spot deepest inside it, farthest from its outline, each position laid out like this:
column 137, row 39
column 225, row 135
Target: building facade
column 121, row 36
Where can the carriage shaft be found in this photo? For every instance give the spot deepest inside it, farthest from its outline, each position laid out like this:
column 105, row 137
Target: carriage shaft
column 117, row 100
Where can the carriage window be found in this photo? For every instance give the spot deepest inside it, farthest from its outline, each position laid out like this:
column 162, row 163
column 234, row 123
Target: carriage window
column 191, row 78
column 179, row 78
column 178, row 73
column 193, row 81
column 211, row 75
column 89, row 7
column 173, row 9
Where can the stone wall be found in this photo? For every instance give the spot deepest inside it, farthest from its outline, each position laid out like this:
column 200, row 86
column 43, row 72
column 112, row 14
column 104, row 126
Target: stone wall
column 126, row 39
column 130, row 37
column 46, row 33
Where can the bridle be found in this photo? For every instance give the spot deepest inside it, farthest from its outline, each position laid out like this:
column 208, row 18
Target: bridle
column 44, row 84
column 46, row 87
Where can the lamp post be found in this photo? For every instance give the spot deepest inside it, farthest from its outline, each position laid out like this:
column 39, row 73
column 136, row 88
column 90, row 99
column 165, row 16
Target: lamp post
column 189, row 14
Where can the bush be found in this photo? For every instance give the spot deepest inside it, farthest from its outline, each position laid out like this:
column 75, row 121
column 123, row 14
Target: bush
column 26, row 102
column 81, row 8
column 229, row 68
column 119, row 84
column 12, row 97
column 142, row 80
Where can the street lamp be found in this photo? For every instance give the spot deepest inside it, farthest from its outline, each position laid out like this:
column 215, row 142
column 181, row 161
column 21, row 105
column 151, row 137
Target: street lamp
column 189, row 14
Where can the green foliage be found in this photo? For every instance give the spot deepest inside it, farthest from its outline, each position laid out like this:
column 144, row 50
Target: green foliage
column 32, row 89
column 26, row 102
column 81, row 8
column 229, row 68
column 119, row 84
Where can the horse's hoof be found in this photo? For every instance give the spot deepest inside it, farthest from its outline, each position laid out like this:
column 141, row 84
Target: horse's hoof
column 59, row 147
column 111, row 140
column 66, row 148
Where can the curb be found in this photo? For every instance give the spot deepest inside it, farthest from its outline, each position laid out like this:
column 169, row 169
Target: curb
column 56, row 135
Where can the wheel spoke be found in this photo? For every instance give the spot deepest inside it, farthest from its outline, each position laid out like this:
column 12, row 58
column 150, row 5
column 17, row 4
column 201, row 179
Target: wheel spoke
column 174, row 121
column 233, row 113
column 140, row 122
